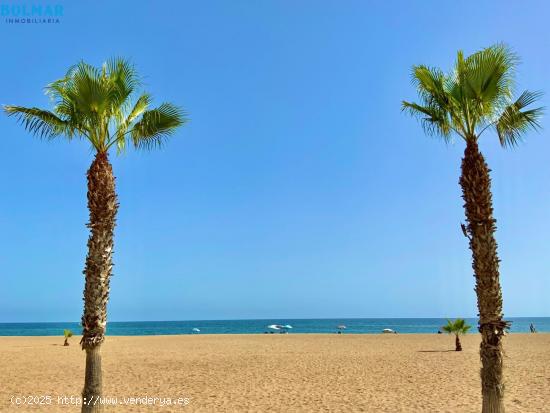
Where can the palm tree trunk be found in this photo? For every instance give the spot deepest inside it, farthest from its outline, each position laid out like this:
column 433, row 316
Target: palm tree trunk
column 102, row 204
column 458, row 346
column 481, row 226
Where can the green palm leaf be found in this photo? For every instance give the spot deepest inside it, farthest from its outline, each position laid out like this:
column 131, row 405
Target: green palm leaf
column 514, row 122
column 39, row 122
column 434, row 120
column 156, row 125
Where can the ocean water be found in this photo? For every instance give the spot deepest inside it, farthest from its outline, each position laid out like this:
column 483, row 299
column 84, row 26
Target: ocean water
column 354, row 326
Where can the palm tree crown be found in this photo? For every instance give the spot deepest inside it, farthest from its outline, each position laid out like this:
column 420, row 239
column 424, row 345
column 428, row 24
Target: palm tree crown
column 102, row 105
column 457, row 327
column 475, row 96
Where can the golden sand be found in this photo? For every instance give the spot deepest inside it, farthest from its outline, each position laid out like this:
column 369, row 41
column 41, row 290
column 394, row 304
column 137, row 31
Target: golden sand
column 276, row 373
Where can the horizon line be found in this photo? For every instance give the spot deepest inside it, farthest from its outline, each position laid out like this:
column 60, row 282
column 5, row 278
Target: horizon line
column 262, row 319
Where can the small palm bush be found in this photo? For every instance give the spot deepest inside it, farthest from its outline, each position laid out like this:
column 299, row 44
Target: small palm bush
column 67, row 334
column 457, row 328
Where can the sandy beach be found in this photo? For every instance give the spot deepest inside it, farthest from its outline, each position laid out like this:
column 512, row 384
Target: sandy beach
column 276, row 373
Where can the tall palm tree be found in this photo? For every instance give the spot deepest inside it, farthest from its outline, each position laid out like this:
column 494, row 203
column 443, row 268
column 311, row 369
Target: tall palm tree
column 102, row 105
column 457, row 327
column 475, row 97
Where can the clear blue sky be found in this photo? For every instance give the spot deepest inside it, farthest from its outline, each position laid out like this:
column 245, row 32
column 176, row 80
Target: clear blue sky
column 298, row 189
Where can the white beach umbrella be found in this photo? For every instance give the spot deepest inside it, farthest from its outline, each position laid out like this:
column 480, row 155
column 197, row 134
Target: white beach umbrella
column 196, row 330
column 274, row 327
column 341, row 327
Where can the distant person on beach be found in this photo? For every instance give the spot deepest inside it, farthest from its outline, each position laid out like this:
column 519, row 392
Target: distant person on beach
column 532, row 328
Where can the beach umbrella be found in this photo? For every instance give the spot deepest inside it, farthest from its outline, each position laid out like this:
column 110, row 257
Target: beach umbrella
column 285, row 328
column 196, row 330
column 274, row 327
column 341, row 327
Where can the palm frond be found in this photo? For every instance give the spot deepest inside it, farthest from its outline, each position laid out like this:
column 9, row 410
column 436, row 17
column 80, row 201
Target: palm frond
column 125, row 121
column 449, row 327
column 156, row 125
column 122, row 80
column 39, row 122
column 514, row 121
column 139, row 108
column 430, row 84
column 488, row 80
column 434, row 120
column 81, row 95
column 433, row 88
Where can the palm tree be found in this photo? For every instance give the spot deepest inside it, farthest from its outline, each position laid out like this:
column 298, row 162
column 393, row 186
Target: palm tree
column 477, row 96
column 457, row 328
column 103, row 106
column 68, row 334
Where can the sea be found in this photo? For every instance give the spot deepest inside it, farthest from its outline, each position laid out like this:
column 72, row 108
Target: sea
column 301, row 326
